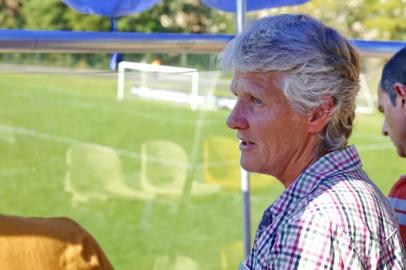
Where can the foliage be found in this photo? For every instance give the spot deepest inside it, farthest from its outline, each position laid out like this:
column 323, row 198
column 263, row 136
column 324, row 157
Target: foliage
column 365, row 19
column 187, row 16
column 167, row 16
column 369, row 19
column 10, row 14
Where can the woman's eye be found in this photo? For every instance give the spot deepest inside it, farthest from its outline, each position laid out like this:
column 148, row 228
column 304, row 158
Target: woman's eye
column 256, row 101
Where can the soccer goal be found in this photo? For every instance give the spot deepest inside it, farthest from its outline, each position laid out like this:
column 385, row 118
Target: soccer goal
column 167, row 83
column 365, row 101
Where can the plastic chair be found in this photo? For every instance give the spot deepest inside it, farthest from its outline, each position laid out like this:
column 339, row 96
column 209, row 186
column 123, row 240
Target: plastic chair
column 231, row 255
column 221, row 165
column 95, row 172
column 164, row 170
column 180, row 263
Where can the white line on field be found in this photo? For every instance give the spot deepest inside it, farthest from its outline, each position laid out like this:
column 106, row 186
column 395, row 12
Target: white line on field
column 122, row 152
column 102, row 107
column 136, row 155
column 375, row 146
column 375, row 137
column 39, row 135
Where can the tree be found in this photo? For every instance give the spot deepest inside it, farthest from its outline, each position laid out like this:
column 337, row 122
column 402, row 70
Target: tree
column 186, row 16
column 10, row 15
column 365, row 19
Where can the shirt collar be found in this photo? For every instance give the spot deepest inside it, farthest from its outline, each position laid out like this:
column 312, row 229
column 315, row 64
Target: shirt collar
column 336, row 162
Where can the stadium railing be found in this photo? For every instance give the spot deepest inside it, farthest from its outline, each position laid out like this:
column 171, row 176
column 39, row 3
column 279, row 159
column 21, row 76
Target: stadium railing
column 126, row 42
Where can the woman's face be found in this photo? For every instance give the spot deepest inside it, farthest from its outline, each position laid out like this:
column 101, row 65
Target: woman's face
column 271, row 132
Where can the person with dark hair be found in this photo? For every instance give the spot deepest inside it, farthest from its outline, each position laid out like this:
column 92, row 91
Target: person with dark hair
column 296, row 80
column 392, row 103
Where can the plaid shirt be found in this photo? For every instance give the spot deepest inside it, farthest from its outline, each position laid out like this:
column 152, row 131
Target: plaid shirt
column 331, row 217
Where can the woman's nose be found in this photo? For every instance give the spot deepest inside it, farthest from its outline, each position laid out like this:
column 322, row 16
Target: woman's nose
column 237, row 118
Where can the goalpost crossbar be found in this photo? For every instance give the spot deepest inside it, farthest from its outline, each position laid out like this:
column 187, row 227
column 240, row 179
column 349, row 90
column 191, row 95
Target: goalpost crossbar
column 142, row 67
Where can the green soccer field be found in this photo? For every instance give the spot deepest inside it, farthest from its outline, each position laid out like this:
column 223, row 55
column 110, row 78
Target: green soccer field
column 69, row 148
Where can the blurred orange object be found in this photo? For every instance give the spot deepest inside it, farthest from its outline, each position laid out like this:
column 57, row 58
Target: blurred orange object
column 48, row 243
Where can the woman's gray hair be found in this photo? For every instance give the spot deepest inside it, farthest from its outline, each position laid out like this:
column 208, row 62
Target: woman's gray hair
column 315, row 62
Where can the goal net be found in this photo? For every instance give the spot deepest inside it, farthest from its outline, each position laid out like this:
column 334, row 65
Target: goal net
column 167, row 83
column 365, row 100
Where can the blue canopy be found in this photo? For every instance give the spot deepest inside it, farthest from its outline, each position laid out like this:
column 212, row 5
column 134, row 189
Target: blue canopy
column 110, row 8
column 114, row 8
column 231, row 6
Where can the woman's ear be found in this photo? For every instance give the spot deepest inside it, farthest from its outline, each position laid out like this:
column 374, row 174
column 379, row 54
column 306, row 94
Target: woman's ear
column 320, row 116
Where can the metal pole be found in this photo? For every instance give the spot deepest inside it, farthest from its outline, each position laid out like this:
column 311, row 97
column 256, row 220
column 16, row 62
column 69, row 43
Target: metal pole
column 113, row 24
column 245, row 189
column 241, row 10
column 245, row 177
column 115, row 57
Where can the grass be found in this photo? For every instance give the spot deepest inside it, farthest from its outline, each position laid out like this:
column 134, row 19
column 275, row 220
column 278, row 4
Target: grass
column 42, row 115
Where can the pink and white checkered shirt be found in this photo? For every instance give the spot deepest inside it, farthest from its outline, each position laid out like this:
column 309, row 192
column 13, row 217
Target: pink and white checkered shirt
column 331, row 217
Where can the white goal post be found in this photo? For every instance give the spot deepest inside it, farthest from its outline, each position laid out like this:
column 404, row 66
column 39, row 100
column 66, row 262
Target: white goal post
column 365, row 95
column 142, row 67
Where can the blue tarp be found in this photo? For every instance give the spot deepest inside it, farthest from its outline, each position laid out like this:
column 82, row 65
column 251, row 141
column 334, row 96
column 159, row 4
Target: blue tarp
column 110, row 8
column 231, row 5
column 114, row 8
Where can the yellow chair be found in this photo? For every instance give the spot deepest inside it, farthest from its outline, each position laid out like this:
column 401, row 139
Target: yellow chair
column 231, row 255
column 222, row 165
column 95, row 172
column 165, row 168
column 180, row 263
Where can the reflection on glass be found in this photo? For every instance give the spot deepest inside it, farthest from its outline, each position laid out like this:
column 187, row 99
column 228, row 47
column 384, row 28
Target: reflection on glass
column 155, row 181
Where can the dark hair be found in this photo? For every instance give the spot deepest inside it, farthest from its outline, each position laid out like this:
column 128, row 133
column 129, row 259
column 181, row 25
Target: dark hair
column 394, row 72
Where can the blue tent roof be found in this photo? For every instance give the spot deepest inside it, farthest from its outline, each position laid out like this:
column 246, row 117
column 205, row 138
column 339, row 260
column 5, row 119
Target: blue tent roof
column 114, row 8
column 110, row 8
column 231, row 6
